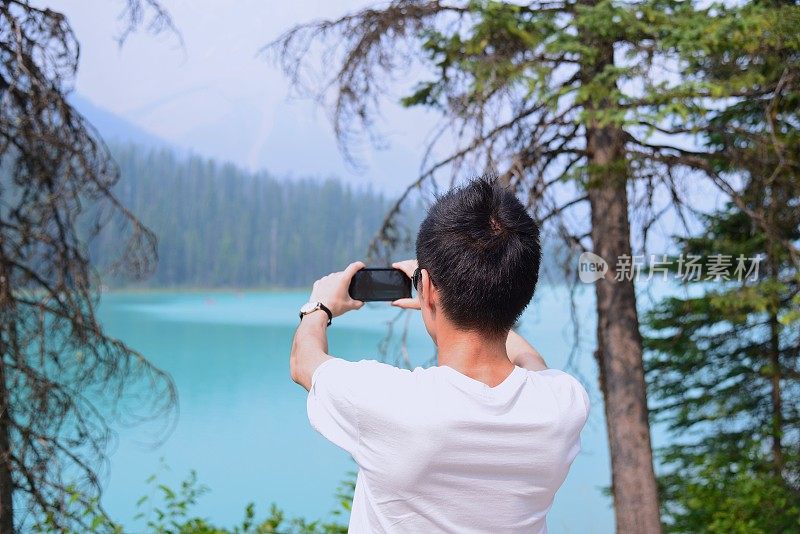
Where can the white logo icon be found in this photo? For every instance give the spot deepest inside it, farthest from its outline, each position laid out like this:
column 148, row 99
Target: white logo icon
column 591, row 267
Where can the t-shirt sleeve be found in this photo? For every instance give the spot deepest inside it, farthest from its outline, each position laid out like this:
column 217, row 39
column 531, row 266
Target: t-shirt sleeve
column 573, row 406
column 347, row 397
column 332, row 406
column 573, row 398
column 578, row 397
column 584, row 397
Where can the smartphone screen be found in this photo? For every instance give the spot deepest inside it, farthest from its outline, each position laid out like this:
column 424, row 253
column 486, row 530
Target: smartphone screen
column 380, row 284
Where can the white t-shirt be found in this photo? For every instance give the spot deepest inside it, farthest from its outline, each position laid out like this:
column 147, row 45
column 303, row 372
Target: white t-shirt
column 438, row 451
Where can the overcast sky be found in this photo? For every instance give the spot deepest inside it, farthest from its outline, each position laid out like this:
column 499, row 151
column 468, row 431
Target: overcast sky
column 219, row 98
column 216, row 97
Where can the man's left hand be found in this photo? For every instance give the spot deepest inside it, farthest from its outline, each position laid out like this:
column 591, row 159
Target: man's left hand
column 332, row 290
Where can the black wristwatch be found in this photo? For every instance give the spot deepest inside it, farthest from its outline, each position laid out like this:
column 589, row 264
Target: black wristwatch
column 311, row 307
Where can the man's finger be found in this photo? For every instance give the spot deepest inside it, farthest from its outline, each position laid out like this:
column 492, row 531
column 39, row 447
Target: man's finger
column 408, row 304
column 354, row 267
column 405, row 267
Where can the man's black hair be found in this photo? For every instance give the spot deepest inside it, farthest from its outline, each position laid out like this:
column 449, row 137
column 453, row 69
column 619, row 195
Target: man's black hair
column 481, row 250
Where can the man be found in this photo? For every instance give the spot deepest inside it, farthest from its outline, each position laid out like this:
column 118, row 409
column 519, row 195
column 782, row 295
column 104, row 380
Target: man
column 479, row 443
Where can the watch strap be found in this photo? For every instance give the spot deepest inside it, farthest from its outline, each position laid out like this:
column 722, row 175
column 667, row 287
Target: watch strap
column 319, row 306
column 328, row 311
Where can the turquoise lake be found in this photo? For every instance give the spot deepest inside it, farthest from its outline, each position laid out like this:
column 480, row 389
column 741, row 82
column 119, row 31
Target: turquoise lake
column 242, row 422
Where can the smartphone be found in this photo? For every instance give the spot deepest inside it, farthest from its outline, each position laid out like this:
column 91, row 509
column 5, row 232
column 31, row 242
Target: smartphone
column 376, row 284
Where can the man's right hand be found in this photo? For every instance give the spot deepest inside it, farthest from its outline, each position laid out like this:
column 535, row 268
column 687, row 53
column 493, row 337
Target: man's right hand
column 408, row 267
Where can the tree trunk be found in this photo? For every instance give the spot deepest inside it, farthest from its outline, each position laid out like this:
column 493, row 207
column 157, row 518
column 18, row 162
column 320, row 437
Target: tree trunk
column 777, row 401
column 619, row 343
column 776, row 373
column 6, row 480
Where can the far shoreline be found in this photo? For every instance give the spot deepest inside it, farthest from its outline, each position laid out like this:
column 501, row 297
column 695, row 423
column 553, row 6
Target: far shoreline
column 198, row 289
column 105, row 290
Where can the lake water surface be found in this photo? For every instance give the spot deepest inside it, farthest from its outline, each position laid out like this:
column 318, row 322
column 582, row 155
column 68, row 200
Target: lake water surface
column 242, row 423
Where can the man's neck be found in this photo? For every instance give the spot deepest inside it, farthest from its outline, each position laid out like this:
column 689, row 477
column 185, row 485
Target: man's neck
column 475, row 356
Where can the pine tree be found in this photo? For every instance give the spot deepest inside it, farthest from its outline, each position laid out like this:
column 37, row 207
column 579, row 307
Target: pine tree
column 724, row 376
column 723, row 360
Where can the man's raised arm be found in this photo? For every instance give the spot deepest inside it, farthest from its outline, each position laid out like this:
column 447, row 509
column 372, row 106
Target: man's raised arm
column 310, row 345
column 309, row 348
column 522, row 354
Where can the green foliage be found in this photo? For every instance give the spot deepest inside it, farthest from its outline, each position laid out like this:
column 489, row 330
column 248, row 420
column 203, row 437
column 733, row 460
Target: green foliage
column 717, row 496
column 77, row 510
column 723, row 376
column 723, row 360
column 173, row 511
column 722, row 50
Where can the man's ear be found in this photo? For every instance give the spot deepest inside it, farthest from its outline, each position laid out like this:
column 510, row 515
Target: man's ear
column 429, row 291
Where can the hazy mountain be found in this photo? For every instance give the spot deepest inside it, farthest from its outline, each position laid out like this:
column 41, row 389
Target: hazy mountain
column 113, row 128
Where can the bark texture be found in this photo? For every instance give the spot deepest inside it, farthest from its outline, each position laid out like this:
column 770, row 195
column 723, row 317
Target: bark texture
column 619, row 344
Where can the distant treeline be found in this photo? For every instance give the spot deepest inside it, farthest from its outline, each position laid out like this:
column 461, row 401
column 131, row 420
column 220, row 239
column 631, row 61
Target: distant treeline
column 220, row 226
